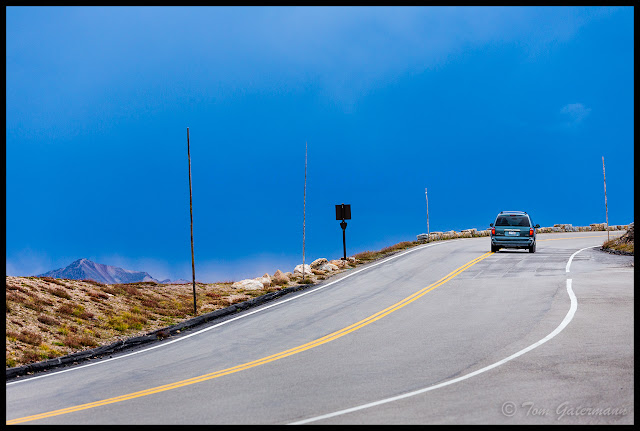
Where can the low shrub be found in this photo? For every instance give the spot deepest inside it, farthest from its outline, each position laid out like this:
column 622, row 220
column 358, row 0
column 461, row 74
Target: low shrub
column 61, row 293
column 12, row 286
column 34, row 305
column 15, row 297
column 110, row 290
column 30, row 355
column 47, row 352
column 396, row 247
column 125, row 289
column 66, row 309
column 81, row 313
column 149, row 303
column 75, row 341
column 118, row 324
column 94, row 282
column 37, row 302
column 29, row 337
column 48, row 320
column 98, row 294
column 307, row 281
column 221, row 302
column 53, row 280
column 134, row 321
column 144, row 283
column 10, row 361
column 86, row 315
column 366, row 255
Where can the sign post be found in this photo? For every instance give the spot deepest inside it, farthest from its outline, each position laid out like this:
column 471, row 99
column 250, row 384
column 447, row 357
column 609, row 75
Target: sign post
column 343, row 212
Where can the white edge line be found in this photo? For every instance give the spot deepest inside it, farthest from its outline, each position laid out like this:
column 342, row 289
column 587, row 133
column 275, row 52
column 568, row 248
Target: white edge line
column 184, row 337
column 573, row 255
column 572, row 311
column 565, row 322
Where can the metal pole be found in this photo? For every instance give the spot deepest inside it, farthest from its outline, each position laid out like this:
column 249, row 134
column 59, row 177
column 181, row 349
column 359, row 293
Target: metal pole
column 343, row 225
column 605, row 197
column 425, row 195
column 193, row 265
column 304, row 206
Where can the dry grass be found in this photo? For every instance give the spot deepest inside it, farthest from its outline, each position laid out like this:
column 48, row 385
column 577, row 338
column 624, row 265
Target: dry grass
column 47, row 318
column 616, row 244
column 367, row 256
column 623, row 243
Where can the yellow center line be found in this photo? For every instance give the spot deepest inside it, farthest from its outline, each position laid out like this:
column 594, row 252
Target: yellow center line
column 330, row 337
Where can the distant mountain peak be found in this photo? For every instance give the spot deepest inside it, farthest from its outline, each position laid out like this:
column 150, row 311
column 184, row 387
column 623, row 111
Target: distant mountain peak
column 83, row 269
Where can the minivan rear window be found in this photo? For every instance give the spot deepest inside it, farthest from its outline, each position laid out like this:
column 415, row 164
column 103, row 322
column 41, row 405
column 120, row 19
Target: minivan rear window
column 512, row 220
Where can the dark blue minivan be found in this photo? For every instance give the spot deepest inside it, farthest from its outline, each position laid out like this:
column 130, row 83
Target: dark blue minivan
column 513, row 229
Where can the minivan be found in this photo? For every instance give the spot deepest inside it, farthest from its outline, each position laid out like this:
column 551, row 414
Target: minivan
column 513, row 229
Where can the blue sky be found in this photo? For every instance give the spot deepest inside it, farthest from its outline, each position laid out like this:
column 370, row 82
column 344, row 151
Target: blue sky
column 489, row 108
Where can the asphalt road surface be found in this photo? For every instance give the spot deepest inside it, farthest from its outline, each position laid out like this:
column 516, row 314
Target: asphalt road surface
column 443, row 333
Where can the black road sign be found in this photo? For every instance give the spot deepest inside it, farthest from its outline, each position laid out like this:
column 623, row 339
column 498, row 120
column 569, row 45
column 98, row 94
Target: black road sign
column 343, row 212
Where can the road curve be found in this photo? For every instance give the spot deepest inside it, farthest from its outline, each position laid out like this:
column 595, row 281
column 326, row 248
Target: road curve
column 442, row 333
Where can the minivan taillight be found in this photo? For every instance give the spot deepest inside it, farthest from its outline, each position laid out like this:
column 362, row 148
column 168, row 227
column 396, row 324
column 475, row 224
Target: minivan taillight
column 493, row 231
column 531, row 231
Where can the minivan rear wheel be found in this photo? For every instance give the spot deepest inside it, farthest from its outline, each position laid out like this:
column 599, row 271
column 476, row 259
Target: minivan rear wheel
column 532, row 249
column 494, row 249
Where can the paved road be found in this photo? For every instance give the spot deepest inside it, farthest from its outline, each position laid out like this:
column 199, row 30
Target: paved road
column 444, row 333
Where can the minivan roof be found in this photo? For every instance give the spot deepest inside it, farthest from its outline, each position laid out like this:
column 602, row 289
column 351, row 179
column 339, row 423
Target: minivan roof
column 513, row 212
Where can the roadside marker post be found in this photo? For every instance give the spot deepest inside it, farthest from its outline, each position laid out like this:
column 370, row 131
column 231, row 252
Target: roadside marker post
column 427, row 197
column 605, row 198
column 193, row 265
column 304, row 206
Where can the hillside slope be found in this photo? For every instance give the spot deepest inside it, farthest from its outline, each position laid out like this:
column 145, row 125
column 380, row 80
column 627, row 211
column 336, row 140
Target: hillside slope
column 47, row 318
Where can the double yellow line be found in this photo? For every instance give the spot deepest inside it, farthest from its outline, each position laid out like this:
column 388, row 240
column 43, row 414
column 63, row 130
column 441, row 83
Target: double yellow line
column 330, row 337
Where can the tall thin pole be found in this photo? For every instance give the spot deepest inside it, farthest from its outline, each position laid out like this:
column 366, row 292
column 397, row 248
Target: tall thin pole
column 304, row 206
column 193, row 264
column 605, row 197
column 425, row 195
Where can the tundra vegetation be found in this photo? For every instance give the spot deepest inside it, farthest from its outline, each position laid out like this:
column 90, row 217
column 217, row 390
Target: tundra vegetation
column 622, row 245
column 48, row 318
